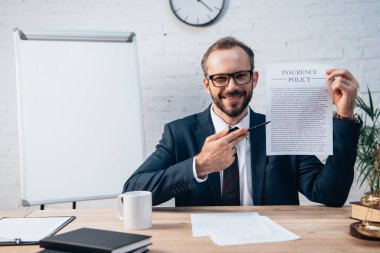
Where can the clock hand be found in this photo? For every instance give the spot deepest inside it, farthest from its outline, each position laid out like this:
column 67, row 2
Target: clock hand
column 205, row 5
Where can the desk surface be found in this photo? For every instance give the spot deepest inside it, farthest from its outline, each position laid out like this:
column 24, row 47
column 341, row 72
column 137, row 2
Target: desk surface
column 322, row 229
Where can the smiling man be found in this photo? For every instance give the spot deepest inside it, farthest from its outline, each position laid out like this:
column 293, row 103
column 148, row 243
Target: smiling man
column 210, row 159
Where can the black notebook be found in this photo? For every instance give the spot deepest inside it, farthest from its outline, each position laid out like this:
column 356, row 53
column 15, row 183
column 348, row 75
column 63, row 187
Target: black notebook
column 51, row 251
column 140, row 250
column 96, row 241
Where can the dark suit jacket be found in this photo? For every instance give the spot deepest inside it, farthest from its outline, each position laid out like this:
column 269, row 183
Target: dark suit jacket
column 276, row 180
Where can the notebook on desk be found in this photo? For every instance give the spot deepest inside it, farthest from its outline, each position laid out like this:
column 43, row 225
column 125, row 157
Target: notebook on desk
column 140, row 250
column 30, row 230
column 97, row 241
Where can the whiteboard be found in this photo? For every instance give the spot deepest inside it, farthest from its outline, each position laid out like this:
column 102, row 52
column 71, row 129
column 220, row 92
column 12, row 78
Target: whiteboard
column 79, row 113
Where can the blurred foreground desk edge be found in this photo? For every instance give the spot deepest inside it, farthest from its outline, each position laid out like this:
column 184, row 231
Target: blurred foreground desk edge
column 322, row 229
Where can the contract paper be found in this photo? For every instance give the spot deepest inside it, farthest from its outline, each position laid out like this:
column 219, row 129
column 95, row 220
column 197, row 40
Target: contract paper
column 278, row 234
column 239, row 228
column 300, row 108
column 206, row 223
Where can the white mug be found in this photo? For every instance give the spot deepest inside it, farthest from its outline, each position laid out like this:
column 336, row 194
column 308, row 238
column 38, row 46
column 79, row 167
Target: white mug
column 135, row 208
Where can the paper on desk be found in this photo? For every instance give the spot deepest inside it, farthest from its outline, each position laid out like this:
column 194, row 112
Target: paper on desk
column 224, row 238
column 205, row 224
column 299, row 106
column 30, row 229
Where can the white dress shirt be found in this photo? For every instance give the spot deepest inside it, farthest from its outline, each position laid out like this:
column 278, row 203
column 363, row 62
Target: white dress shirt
column 244, row 158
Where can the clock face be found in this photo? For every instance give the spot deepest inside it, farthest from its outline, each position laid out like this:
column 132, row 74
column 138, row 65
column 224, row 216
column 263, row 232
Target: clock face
column 197, row 12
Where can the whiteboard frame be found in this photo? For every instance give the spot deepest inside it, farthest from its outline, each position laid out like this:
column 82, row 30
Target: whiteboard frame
column 87, row 36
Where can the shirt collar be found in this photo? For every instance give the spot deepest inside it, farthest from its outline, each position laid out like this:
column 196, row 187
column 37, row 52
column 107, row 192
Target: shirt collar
column 220, row 124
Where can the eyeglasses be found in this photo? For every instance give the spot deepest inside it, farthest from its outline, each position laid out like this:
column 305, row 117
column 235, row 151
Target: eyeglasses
column 240, row 78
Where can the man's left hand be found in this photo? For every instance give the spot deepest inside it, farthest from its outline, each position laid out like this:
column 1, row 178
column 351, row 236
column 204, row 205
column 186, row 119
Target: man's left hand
column 344, row 89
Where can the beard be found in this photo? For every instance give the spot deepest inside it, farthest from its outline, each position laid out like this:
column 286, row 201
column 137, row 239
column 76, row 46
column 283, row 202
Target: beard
column 235, row 109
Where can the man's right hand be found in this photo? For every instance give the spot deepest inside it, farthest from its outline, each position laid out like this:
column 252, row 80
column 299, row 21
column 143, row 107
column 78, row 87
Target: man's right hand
column 218, row 151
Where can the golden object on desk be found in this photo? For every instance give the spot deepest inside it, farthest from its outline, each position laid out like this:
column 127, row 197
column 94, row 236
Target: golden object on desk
column 368, row 209
column 368, row 229
column 370, row 200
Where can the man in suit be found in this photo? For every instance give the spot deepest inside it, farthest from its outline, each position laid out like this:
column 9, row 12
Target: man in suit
column 193, row 160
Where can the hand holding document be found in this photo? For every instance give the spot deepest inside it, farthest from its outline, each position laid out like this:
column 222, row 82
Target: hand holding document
column 299, row 106
column 239, row 228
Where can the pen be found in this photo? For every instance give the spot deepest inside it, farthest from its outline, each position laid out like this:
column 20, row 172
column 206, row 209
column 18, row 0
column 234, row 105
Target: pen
column 254, row 127
column 250, row 129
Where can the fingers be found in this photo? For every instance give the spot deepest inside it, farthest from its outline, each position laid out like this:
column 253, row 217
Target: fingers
column 218, row 135
column 241, row 132
column 343, row 81
column 344, row 88
column 218, row 151
column 225, row 135
column 237, row 140
column 334, row 73
column 234, row 150
column 343, row 85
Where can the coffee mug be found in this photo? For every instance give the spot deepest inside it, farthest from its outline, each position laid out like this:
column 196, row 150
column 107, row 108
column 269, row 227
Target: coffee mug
column 135, row 209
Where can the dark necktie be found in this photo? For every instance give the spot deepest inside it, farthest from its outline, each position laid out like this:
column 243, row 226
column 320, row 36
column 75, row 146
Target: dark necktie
column 231, row 186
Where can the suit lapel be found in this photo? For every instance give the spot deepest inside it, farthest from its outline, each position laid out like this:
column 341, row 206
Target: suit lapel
column 202, row 129
column 258, row 158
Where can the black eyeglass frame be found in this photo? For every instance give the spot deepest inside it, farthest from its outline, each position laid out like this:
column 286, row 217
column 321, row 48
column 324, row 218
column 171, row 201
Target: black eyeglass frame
column 210, row 77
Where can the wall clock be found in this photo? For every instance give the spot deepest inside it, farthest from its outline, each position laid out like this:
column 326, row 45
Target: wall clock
column 197, row 12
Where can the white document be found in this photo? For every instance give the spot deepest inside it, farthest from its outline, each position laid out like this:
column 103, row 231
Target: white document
column 300, row 108
column 279, row 234
column 204, row 224
column 239, row 228
column 30, row 230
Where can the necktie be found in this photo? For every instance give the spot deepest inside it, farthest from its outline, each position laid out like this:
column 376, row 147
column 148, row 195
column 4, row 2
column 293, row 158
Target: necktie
column 231, row 187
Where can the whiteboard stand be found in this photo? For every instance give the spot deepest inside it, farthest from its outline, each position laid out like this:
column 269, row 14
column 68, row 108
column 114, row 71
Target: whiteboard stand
column 42, row 206
column 79, row 112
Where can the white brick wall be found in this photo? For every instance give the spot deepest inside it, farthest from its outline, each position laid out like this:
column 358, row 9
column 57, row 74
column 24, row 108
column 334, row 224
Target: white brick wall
column 344, row 33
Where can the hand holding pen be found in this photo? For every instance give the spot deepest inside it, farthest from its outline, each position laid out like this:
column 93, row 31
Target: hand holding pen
column 218, row 151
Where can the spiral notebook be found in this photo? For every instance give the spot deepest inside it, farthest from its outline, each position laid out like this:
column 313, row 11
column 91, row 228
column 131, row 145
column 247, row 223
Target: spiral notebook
column 30, row 230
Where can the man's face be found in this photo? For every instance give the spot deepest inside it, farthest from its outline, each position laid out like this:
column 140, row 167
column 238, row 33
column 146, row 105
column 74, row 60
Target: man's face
column 232, row 100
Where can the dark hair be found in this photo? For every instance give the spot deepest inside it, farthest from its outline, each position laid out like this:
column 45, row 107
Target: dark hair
column 227, row 43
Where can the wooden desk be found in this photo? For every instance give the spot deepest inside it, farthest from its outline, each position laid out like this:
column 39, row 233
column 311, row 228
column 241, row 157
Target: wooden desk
column 322, row 229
